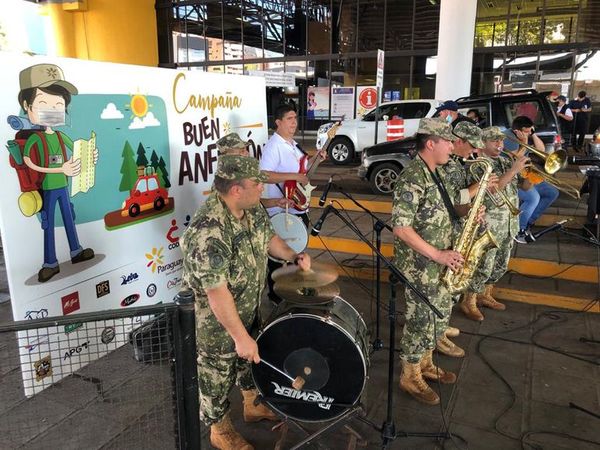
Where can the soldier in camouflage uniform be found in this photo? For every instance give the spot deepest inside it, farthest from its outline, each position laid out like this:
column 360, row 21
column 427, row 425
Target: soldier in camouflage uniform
column 462, row 191
column 225, row 259
column 423, row 231
column 501, row 222
column 232, row 144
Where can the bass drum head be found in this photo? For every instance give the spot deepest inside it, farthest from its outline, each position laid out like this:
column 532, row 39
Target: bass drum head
column 291, row 229
column 320, row 351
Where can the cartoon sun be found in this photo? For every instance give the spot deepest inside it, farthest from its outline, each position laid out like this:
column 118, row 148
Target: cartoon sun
column 226, row 128
column 139, row 105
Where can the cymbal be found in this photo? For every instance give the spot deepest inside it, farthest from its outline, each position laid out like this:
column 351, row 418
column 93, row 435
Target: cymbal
column 292, row 276
column 308, row 295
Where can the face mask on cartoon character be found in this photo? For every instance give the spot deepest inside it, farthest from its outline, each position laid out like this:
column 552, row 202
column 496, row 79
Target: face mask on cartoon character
column 51, row 117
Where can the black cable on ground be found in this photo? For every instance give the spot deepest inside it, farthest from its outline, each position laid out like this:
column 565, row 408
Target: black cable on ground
column 525, row 435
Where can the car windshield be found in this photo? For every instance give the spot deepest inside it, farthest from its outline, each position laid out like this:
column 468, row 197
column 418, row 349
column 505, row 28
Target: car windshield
column 141, row 186
column 152, row 184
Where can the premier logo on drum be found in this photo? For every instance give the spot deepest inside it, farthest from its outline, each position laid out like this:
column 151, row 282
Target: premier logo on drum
column 307, row 396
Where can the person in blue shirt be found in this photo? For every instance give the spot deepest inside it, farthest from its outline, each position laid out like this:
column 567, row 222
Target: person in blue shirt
column 534, row 198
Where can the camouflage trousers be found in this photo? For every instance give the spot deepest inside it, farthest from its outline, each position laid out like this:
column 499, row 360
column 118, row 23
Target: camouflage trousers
column 493, row 266
column 217, row 374
column 422, row 327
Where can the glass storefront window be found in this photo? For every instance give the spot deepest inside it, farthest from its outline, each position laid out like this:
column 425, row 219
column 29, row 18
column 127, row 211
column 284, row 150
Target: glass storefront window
column 342, row 72
column 252, row 30
column 273, row 32
column 319, row 29
column 558, row 30
column 345, row 21
column 399, row 24
column 370, row 28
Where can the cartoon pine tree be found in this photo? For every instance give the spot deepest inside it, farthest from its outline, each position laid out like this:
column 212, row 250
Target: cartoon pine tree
column 163, row 173
column 142, row 161
column 154, row 160
column 128, row 169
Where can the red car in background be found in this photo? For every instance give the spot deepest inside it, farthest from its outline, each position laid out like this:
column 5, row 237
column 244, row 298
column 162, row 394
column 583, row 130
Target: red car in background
column 146, row 194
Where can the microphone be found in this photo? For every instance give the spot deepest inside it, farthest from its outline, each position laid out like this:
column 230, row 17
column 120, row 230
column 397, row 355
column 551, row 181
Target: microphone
column 326, row 191
column 317, row 227
column 553, row 227
column 579, row 161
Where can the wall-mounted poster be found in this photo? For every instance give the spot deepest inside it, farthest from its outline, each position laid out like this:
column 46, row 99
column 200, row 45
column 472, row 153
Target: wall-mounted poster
column 317, row 103
column 104, row 166
column 342, row 102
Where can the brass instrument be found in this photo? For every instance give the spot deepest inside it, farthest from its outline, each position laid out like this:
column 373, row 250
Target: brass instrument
column 553, row 162
column 499, row 198
column 472, row 243
column 568, row 189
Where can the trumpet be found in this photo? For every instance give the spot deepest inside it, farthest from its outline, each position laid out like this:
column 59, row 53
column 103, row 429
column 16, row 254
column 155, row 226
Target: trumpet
column 553, row 162
column 499, row 198
column 568, row 189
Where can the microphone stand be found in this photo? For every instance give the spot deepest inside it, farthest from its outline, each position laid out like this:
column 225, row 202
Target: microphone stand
column 388, row 428
column 378, row 227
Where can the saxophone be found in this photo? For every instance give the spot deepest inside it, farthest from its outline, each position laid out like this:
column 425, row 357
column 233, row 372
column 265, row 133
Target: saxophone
column 473, row 241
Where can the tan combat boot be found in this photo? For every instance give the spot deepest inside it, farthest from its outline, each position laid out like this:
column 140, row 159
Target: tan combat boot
column 449, row 348
column 254, row 413
column 224, row 437
column 412, row 381
column 452, row 332
column 431, row 371
column 486, row 299
column 468, row 306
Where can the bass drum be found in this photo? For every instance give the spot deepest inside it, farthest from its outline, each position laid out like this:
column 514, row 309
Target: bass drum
column 326, row 345
column 292, row 230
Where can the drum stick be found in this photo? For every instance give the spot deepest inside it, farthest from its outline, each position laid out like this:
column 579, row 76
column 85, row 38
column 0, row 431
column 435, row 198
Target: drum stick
column 297, row 383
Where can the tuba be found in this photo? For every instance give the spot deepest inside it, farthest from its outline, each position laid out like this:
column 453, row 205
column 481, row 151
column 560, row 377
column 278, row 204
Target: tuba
column 473, row 242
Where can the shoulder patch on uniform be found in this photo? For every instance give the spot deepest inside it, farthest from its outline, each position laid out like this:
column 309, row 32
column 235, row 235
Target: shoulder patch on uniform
column 407, row 196
column 217, row 254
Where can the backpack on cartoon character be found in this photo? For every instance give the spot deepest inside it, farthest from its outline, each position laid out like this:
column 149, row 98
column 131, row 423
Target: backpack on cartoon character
column 30, row 181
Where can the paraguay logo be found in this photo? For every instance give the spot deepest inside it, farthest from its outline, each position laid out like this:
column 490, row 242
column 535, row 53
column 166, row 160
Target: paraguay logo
column 155, row 258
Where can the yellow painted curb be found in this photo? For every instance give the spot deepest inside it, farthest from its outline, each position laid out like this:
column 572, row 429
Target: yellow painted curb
column 536, row 298
column 523, row 266
column 385, row 207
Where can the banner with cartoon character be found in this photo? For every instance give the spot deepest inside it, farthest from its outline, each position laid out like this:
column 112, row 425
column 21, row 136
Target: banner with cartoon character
column 103, row 166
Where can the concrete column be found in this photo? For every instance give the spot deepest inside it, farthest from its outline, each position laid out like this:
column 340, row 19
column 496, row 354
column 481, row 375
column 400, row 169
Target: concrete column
column 455, row 48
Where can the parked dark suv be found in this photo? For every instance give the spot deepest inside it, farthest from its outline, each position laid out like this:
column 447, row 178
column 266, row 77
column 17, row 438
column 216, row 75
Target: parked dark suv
column 382, row 163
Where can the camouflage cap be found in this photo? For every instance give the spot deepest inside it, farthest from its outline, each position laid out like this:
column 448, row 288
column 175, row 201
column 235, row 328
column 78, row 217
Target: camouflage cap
column 231, row 141
column 436, row 127
column 236, row 167
column 470, row 133
column 492, row 134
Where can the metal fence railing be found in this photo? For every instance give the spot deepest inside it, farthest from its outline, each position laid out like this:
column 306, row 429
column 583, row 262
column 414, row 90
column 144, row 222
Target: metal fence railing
column 122, row 379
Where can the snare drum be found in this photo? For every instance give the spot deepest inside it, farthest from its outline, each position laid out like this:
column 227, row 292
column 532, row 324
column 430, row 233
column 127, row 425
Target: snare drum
column 327, row 345
column 292, row 230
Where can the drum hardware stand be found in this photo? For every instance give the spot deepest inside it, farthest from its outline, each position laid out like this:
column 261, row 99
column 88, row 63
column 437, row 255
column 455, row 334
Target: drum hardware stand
column 345, row 417
column 378, row 227
column 388, row 428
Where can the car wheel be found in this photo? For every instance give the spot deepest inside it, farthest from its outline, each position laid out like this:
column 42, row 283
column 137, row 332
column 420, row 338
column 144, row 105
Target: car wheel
column 383, row 178
column 341, row 151
column 159, row 203
column 134, row 210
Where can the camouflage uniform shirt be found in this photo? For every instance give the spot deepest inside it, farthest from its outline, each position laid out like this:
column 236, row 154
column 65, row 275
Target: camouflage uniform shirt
column 219, row 248
column 419, row 204
column 456, row 180
column 500, row 220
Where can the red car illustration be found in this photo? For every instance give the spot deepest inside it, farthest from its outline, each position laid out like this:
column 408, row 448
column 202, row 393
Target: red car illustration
column 146, row 194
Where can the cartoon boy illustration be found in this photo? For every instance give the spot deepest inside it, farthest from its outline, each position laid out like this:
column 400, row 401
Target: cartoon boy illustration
column 44, row 96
